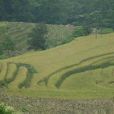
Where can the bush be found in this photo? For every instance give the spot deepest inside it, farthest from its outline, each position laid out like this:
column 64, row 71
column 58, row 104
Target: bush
column 81, row 31
column 5, row 109
column 106, row 30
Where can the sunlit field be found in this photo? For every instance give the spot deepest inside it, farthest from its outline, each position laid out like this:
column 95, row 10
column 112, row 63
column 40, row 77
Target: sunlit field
column 81, row 69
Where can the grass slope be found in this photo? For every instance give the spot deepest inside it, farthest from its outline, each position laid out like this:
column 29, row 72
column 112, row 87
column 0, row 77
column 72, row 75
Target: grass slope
column 19, row 32
column 81, row 69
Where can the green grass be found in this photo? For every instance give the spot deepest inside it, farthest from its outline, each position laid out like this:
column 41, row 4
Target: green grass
column 81, row 69
column 3, row 71
column 11, row 70
column 22, row 73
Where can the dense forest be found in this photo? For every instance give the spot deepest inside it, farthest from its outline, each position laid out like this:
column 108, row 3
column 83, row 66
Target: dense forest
column 90, row 13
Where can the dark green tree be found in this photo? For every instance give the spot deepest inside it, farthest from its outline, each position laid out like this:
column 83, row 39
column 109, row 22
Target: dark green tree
column 8, row 45
column 38, row 37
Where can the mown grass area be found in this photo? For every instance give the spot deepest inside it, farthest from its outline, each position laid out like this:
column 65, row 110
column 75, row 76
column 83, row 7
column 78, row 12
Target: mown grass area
column 81, row 69
column 19, row 33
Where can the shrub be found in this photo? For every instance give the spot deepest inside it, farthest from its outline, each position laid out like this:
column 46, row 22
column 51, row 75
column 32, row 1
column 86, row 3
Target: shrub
column 5, row 109
column 81, row 31
column 106, row 30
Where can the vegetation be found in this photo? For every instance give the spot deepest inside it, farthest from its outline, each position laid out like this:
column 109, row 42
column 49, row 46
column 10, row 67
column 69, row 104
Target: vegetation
column 89, row 13
column 30, row 72
column 81, row 31
column 61, row 49
column 81, row 69
column 10, row 72
column 106, row 31
column 19, row 34
column 8, row 45
column 64, row 71
column 5, row 109
column 38, row 37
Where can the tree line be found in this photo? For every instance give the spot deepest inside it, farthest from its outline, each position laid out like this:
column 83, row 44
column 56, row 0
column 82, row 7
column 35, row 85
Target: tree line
column 88, row 13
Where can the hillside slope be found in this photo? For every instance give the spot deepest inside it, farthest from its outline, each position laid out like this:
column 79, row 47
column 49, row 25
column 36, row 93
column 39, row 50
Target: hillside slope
column 83, row 69
column 19, row 33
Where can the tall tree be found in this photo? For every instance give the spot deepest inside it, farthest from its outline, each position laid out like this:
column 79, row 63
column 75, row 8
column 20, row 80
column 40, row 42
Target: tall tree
column 38, row 37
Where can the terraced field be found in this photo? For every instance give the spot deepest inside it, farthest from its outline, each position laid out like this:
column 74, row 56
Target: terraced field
column 82, row 69
column 19, row 32
column 16, row 75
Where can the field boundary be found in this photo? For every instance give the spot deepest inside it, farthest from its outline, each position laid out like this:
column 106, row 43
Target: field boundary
column 56, row 106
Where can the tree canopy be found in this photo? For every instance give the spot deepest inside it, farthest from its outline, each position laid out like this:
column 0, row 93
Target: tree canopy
column 80, row 12
column 38, row 37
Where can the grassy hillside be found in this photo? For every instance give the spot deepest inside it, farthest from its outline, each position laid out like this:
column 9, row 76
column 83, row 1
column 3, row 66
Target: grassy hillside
column 19, row 32
column 81, row 69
